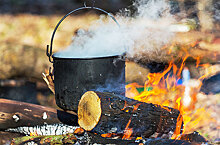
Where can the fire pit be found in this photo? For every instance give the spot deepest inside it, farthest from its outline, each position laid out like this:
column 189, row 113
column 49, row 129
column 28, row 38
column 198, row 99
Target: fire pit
column 167, row 106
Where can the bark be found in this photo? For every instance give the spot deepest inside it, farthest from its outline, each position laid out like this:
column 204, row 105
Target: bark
column 106, row 113
column 17, row 114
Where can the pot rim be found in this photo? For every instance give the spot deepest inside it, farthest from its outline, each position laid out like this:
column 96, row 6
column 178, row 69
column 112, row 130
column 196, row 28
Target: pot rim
column 86, row 58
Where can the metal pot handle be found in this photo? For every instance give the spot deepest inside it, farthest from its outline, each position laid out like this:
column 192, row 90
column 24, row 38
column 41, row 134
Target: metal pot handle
column 49, row 51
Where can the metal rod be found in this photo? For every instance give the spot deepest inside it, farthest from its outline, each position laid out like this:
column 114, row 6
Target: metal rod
column 50, row 47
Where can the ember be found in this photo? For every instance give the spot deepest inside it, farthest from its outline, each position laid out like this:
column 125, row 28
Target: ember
column 128, row 131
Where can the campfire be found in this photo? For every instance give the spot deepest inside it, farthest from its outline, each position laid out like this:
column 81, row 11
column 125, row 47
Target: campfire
column 102, row 101
column 173, row 88
column 171, row 93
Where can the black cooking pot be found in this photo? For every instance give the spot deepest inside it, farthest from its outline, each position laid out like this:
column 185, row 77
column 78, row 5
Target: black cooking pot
column 75, row 76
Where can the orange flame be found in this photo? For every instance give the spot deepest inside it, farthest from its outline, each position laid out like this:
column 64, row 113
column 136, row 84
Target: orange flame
column 79, row 131
column 164, row 89
column 177, row 131
column 107, row 135
column 128, row 131
column 33, row 134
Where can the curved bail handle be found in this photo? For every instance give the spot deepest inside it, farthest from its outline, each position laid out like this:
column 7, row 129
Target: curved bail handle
column 50, row 47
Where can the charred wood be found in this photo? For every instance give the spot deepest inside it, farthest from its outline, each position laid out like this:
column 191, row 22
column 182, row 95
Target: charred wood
column 159, row 141
column 95, row 139
column 103, row 113
column 17, row 114
column 156, row 67
column 193, row 137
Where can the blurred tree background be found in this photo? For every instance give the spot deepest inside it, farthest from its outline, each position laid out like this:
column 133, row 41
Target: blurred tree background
column 57, row 6
column 25, row 30
column 26, row 27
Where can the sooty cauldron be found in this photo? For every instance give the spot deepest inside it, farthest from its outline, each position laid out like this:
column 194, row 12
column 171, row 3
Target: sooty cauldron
column 75, row 76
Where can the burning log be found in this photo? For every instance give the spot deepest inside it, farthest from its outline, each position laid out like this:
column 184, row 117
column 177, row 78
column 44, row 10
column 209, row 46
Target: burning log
column 105, row 113
column 193, row 137
column 95, row 139
column 17, row 114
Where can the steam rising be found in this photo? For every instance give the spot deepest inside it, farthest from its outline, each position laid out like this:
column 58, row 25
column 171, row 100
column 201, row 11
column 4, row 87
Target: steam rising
column 146, row 31
column 216, row 10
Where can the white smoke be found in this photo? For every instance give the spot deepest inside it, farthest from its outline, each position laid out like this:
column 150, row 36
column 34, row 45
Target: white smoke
column 216, row 9
column 146, row 31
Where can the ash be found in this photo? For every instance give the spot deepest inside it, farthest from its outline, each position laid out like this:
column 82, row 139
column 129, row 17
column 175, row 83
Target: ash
column 55, row 129
column 85, row 140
